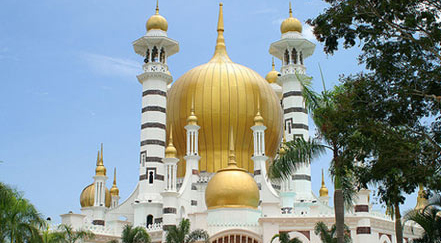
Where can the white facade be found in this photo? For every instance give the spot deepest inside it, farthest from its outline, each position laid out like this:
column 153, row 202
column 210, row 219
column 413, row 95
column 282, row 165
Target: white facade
column 161, row 200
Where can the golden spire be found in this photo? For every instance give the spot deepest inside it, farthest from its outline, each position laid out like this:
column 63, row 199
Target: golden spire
column 282, row 150
column 114, row 191
column 170, row 151
column 100, row 169
column 272, row 75
column 192, row 119
column 221, row 50
column 290, row 9
column 421, row 199
column 232, row 155
column 157, row 6
column 258, row 119
column 323, row 190
column 274, row 66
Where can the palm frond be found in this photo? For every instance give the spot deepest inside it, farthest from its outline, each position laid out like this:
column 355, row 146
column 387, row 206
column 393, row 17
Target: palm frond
column 298, row 152
column 197, row 235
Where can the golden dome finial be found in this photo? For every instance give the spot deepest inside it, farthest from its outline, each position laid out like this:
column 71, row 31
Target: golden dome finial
column 258, row 119
column 192, row 119
column 421, row 199
column 272, row 75
column 156, row 21
column 100, row 169
column 114, row 191
column 220, row 50
column 157, row 6
column 282, row 150
column 323, row 190
column 291, row 23
column 170, row 151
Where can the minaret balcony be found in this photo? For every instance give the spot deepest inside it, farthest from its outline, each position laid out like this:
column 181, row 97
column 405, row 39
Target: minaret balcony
column 293, row 69
column 155, row 67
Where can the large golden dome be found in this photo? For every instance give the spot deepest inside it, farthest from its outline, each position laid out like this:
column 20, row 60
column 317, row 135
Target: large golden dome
column 225, row 95
column 87, row 197
column 232, row 187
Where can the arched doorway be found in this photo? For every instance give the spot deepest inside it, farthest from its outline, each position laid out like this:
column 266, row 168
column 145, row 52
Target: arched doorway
column 235, row 236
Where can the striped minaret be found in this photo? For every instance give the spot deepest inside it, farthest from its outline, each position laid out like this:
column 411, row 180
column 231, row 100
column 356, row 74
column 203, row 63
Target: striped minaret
column 155, row 47
column 292, row 49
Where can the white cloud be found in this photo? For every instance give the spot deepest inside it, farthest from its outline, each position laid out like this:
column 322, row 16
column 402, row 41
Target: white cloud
column 107, row 65
column 265, row 11
column 307, row 33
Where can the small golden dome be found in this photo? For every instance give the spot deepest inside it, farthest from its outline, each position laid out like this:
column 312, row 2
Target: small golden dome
column 87, row 198
column 100, row 170
column 323, row 190
column 291, row 23
column 232, row 187
column 272, row 75
column 114, row 191
column 258, row 119
column 157, row 21
column 170, row 151
column 192, row 119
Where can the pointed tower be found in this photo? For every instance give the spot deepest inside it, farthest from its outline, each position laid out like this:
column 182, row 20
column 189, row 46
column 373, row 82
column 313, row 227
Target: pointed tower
column 192, row 155
column 266, row 191
column 271, row 77
column 292, row 49
column 323, row 192
column 114, row 192
column 155, row 47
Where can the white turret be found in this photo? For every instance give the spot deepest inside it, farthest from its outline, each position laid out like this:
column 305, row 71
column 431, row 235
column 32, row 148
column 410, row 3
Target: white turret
column 114, row 192
column 100, row 178
column 155, row 47
column 292, row 49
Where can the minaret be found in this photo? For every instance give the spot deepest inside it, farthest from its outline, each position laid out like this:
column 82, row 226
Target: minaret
column 267, row 193
column 292, row 49
column 192, row 155
column 170, row 194
column 323, row 192
column 114, row 192
column 99, row 205
column 155, row 47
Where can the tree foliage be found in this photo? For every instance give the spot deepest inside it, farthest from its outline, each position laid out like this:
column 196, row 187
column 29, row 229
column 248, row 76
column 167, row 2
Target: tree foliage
column 329, row 235
column 182, row 234
column 284, row 238
column 429, row 219
column 132, row 234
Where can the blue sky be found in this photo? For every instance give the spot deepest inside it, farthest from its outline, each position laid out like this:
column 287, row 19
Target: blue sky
column 67, row 83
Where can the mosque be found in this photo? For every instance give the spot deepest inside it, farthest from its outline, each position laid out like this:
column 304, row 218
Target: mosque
column 206, row 142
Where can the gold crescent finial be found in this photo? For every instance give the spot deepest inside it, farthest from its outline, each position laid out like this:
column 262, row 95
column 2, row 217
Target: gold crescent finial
column 192, row 105
column 170, row 140
column 221, row 49
column 274, row 67
column 98, row 158
column 157, row 6
column 290, row 10
column 101, row 158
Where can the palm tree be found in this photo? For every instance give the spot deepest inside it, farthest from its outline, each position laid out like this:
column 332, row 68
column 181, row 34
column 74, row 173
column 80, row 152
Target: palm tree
column 19, row 220
column 334, row 129
column 429, row 219
column 66, row 234
column 284, row 238
column 329, row 236
column 132, row 234
column 182, row 234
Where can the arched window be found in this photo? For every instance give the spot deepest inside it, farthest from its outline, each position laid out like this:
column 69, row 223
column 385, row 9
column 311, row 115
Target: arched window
column 301, row 58
column 147, row 56
column 155, row 55
column 286, row 58
column 294, row 55
column 162, row 56
column 151, row 177
column 149, row 220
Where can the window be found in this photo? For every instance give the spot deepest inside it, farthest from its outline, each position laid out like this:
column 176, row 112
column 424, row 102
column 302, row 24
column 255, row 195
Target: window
column 151, row 175
column 301, row 58
column 147, row 56
column 294, row 55
column 149, row 220
column 286, row 58
column 155, row 54
column 162, row 56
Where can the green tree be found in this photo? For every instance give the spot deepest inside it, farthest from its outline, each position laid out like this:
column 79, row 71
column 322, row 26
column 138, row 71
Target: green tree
column 429, row 219
column 329, row 235
column 19, row 220
column 132, row 234
column 182, row 234
column 335, row 130
column 66, row 234
column 284, row 238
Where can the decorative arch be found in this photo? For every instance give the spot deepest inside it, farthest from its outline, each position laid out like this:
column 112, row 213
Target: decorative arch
column 236, row 236
column 298, row 235
column 385, row 239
